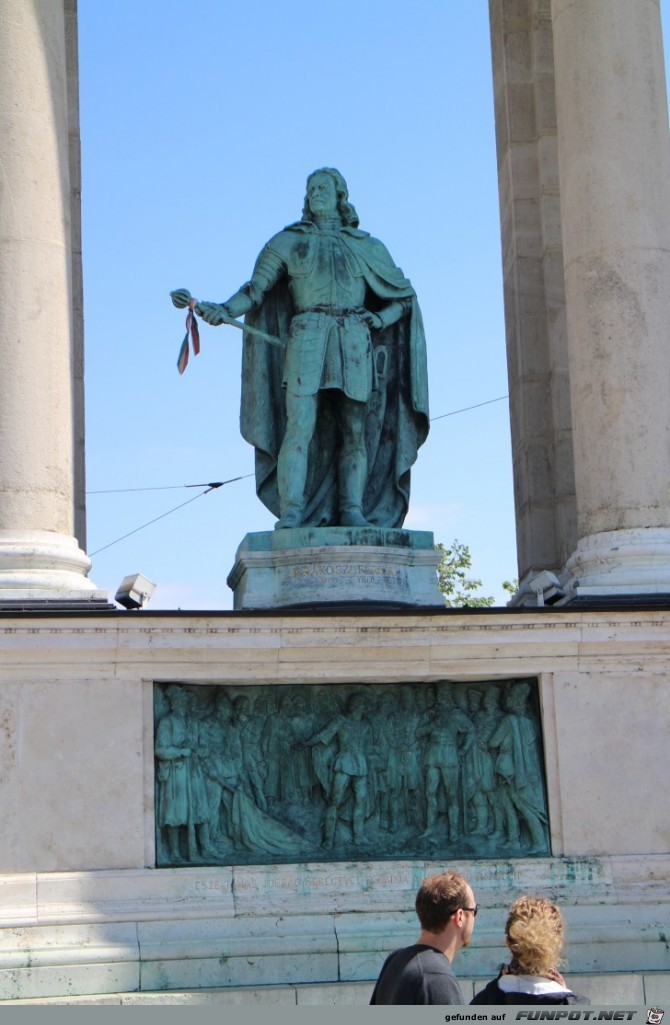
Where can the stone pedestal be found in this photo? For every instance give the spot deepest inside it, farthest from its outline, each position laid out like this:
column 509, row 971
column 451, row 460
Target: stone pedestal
column 85, row 910
column 309, row 566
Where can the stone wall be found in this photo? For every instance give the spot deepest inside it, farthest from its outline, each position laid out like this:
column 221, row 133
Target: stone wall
column 307, row 928
column 85, row 910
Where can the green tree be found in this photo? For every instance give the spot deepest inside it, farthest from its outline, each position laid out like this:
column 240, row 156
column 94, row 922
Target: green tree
column 458, row 588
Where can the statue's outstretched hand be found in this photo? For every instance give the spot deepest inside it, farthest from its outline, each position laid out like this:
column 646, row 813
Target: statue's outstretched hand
column 212, row 313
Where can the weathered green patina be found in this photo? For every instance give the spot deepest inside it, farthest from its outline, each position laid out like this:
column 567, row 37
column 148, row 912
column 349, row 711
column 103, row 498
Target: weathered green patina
column 337, row 414
column 288, row 773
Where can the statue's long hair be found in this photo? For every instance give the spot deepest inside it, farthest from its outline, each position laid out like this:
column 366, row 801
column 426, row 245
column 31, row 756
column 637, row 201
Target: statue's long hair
column 345, row 209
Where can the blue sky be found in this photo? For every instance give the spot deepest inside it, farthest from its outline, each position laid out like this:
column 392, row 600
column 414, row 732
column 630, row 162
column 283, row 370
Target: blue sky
column 199, row 125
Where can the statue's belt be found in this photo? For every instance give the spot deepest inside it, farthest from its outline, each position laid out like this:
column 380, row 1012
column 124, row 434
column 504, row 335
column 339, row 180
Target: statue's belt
column 335, row 311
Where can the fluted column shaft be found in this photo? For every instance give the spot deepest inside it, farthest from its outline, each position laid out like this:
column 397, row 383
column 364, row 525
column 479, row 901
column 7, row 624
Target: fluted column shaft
column 38, row 552
column 614, row 165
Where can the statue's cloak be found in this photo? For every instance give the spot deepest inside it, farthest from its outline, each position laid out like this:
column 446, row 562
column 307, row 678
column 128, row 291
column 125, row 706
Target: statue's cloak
column 397, row 418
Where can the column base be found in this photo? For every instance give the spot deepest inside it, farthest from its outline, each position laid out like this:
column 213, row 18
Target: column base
column 620, row 562
column 43, row 566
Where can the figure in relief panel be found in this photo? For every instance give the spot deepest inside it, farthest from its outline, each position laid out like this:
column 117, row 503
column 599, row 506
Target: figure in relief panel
column 276, row 743
column 302, row 727
column 247, row 825
column 446, row 726
column 323, row 755
column 250, row 751
column 477, row 765
column 488, row 720
column 519, row 768
column 407, row 768
column 353, row 733
column 182, row 804
column 213, row 745
column 384, row 762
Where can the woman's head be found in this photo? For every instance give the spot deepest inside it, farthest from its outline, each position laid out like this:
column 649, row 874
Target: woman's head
column 534, row 935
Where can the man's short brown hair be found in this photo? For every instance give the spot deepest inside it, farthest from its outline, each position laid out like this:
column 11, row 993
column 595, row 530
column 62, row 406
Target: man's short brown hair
column 438, row 898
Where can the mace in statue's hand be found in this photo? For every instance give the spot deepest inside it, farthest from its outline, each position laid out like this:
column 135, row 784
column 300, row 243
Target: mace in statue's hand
column 181, row 298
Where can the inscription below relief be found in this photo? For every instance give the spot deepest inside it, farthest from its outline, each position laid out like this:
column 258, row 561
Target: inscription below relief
column 298, row 773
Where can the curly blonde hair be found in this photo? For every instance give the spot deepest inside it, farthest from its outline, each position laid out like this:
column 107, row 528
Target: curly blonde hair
column 535, row 935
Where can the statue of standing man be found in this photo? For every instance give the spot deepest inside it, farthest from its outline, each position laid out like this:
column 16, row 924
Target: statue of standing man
column 337, row 414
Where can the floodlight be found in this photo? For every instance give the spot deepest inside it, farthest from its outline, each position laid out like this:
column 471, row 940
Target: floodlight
column 134, row 591
column 547, row 588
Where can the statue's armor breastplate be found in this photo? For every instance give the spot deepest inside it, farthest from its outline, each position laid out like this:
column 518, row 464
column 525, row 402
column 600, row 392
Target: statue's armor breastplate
column 323, row 273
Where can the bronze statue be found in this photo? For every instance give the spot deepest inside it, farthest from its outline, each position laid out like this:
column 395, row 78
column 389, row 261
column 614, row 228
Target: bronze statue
column 337, row 411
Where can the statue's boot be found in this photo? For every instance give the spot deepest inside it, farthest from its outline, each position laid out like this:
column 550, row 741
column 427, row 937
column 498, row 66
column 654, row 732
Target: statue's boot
column 291, row 502
column 290, row 518
column 329, row 827
column 476, row 816
column 354, row 518
column 453, row 824
column 173, row 845
column 352, row 478
column 205, row 840
column 358, row 828
column 482, row 821
column 413, row 809
column 538, row 839
column 498, row 822
column 291, row 477
column 192, row 843
column 431, row 819
column 383, row 811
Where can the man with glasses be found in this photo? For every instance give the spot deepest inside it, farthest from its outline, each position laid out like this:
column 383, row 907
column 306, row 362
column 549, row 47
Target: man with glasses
column 422, row 973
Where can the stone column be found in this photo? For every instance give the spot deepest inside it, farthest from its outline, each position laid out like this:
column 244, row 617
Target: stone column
column 614, row 161
column 39, row 557
column 72, row 59
column 537, row 356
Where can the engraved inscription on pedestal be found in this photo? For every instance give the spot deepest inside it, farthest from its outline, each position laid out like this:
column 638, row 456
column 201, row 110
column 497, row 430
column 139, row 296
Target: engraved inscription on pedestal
column 295, row 773
column 333, row 576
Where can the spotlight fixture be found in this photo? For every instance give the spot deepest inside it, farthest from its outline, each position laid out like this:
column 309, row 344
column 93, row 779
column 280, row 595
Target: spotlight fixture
column 134, row 591
column 546, row 588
